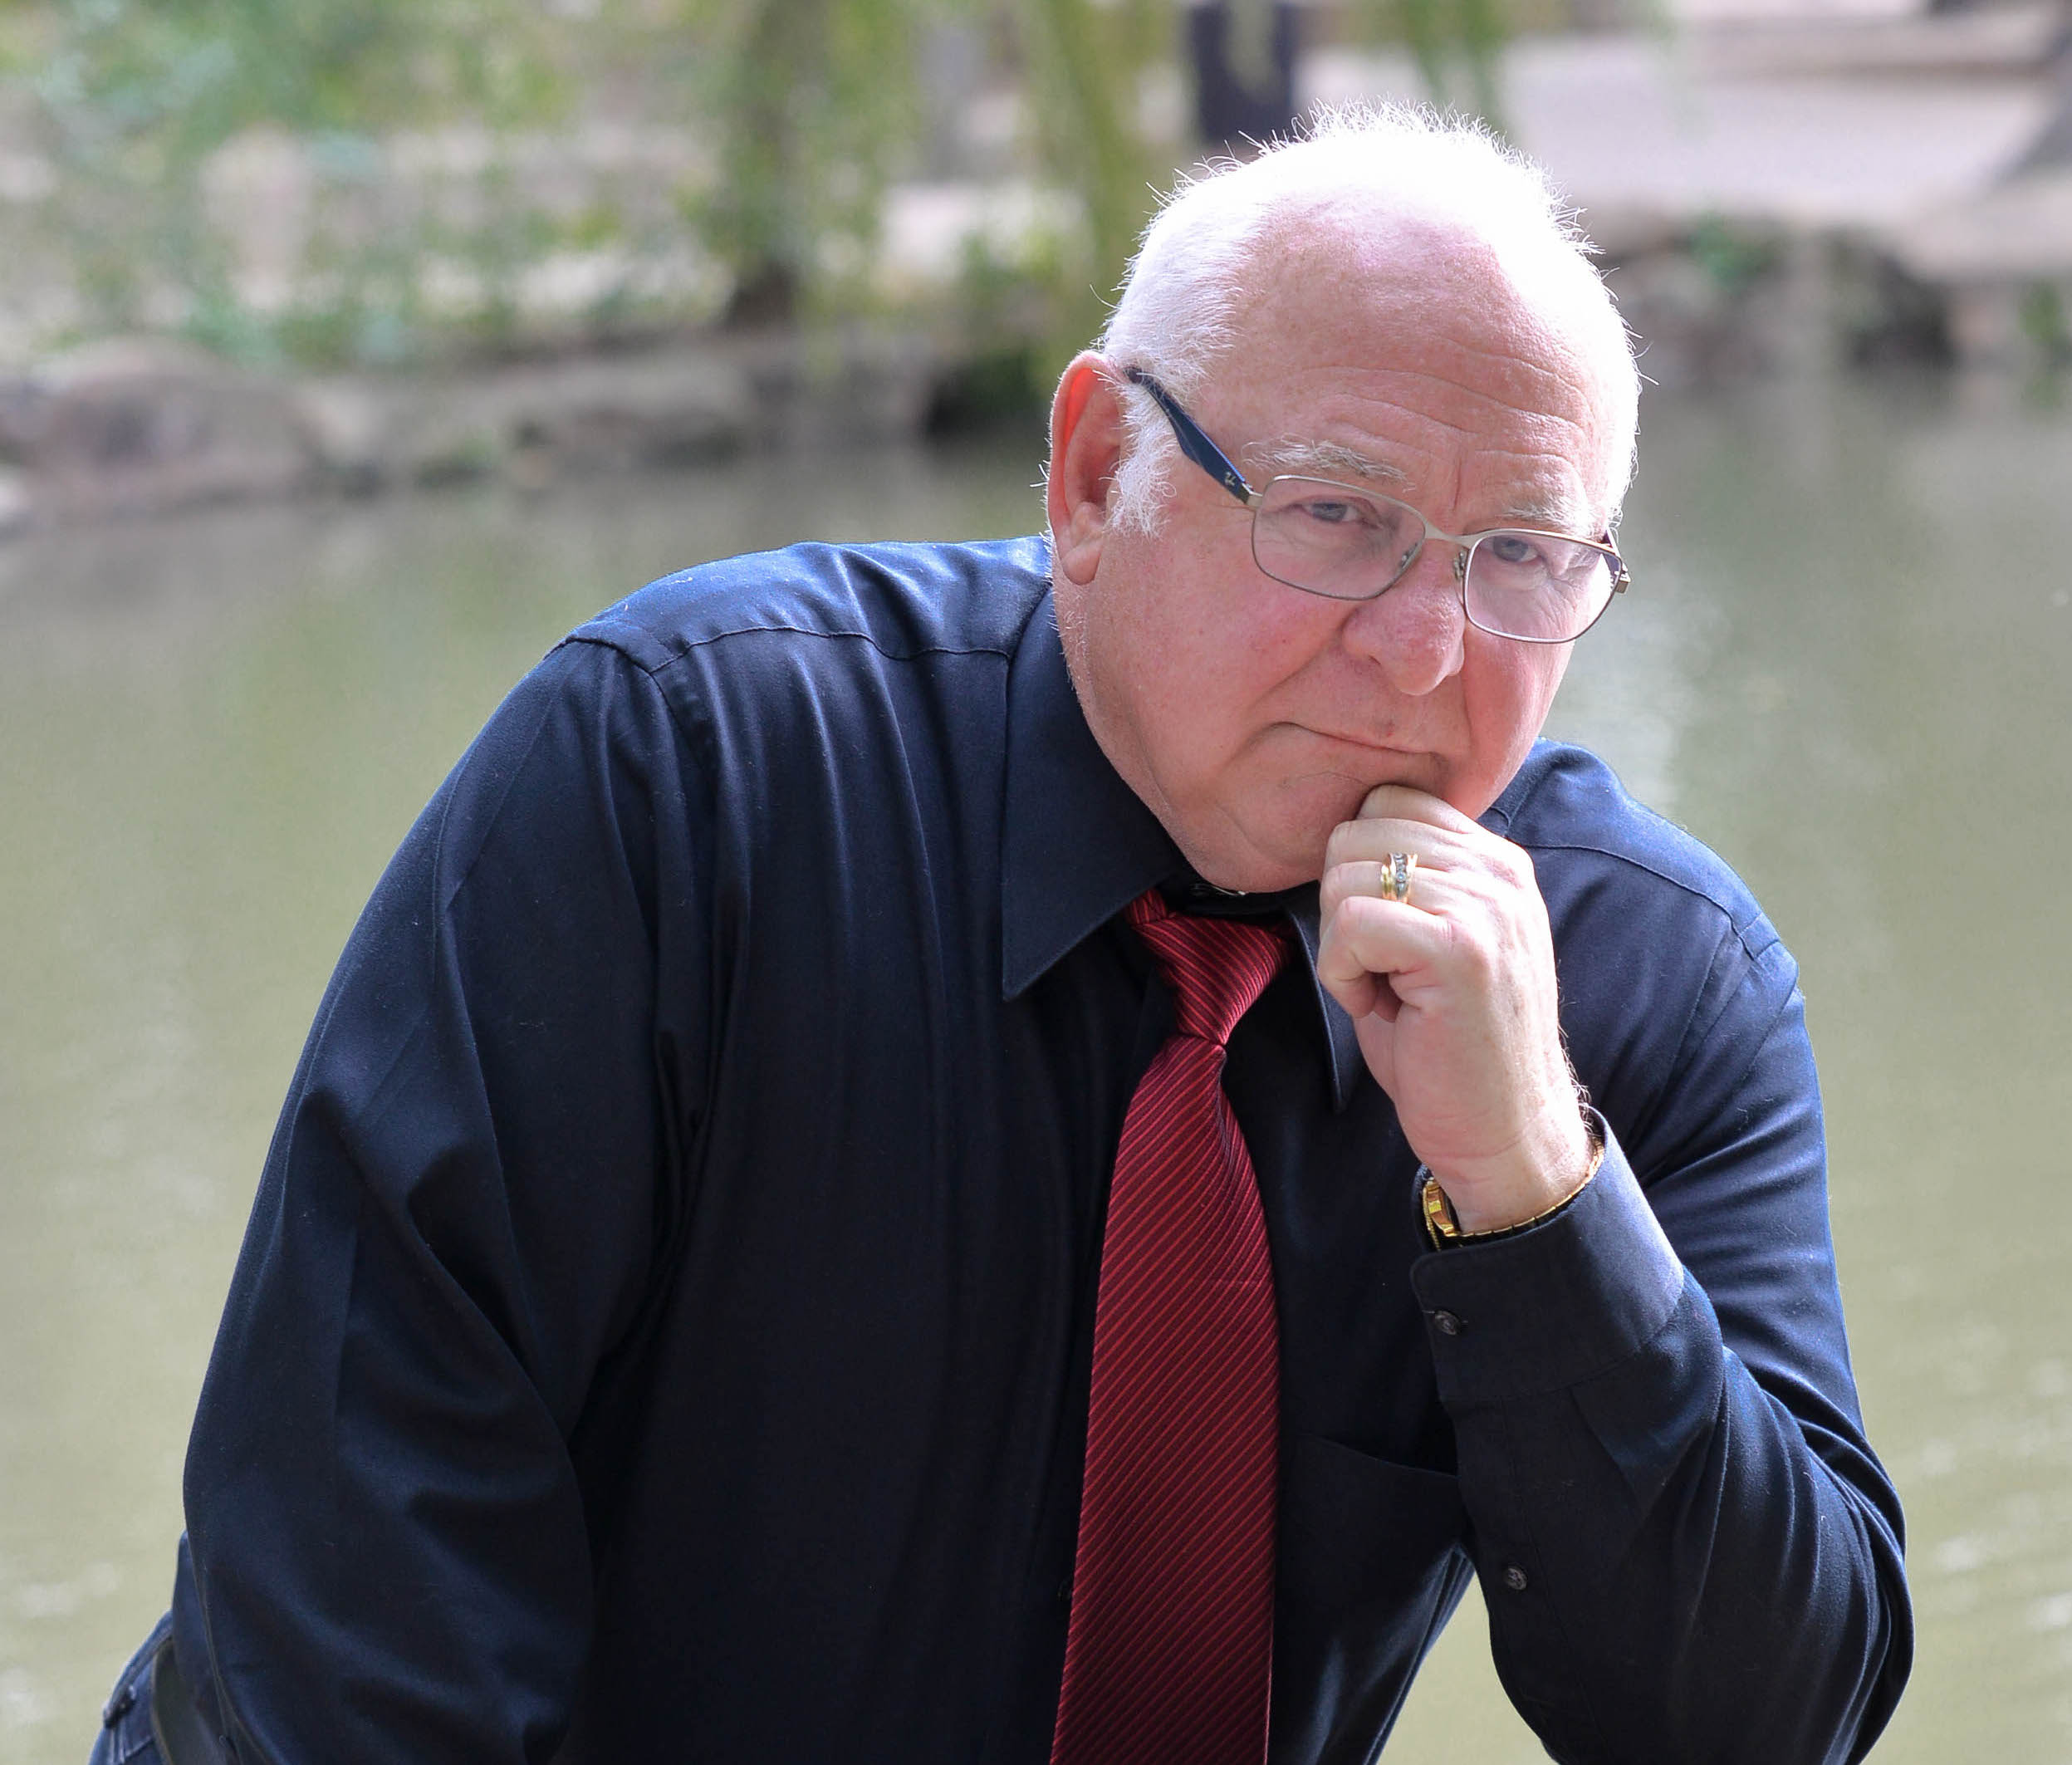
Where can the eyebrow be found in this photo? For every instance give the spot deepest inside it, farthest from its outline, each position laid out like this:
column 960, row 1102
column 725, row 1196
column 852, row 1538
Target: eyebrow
column 1554, row 516
column 1306, row 458
column 1325, row 459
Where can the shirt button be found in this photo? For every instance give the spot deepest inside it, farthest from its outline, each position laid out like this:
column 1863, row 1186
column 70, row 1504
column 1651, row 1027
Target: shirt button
column 1447, row 1324
column 1516, row 1580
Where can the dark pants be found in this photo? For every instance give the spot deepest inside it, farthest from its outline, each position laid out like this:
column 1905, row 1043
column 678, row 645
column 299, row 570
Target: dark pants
column 126, row 1736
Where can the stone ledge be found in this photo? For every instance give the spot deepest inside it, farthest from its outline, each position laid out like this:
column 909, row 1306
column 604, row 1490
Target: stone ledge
column 144, row 425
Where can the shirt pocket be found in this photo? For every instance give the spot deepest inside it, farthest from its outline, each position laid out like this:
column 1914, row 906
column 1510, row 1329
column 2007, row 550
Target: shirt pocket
column 1371, row 1565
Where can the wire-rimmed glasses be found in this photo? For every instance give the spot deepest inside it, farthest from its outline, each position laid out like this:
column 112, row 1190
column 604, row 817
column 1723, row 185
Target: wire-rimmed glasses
column 1349, row 542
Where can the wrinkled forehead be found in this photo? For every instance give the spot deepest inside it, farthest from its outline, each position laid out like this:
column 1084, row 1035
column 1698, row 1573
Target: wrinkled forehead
column 1434, row 309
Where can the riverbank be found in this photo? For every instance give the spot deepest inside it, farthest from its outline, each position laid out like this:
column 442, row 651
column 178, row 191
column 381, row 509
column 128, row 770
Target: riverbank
column 148, row 425
column 144, row 425
column 1775, row 197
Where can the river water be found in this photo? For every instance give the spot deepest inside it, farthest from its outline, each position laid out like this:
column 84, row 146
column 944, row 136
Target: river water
column 1846, row 663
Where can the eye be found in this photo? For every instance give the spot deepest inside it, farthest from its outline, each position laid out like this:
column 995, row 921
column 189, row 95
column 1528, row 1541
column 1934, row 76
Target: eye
column 1337, row 512
column 1513, row 549
column 1347, row 515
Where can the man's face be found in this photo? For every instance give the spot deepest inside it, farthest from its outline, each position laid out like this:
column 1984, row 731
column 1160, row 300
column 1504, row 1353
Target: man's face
column 1252, row 717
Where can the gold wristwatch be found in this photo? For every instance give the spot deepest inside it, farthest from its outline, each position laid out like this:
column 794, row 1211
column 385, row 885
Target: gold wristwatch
column 1443, row 1229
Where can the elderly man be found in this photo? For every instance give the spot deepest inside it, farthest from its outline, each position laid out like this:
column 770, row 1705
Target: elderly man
column 1031, row 1152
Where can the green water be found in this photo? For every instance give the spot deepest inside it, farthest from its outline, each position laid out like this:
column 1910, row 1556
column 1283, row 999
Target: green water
column 1847, row 663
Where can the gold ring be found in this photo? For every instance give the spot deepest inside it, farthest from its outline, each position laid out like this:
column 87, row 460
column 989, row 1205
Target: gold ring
column 1395, row 877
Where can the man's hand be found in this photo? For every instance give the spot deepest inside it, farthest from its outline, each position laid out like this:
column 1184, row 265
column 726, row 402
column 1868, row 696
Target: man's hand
column 1453, row 996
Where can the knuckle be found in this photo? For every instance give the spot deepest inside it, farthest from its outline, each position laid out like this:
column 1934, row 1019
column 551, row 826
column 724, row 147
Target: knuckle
column 1348, row 919
column 1347, row 842
column 1472, row 947
column 1335, row 931
column 1336, row 897
column 1515, row 863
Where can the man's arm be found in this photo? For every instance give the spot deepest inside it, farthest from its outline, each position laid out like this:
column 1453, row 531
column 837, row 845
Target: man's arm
column 1684, row 1556
column 1687, row 1549
column 455, row 1226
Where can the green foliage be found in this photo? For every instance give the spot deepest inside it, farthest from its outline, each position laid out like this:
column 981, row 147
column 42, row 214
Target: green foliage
column 2041, row 317
column 1458, row 44
column 1733, row 258
column 806, row 109
column 188, row 74
column 816, row 103
column 812, row 102
column 135, row 95
column 1089, row 56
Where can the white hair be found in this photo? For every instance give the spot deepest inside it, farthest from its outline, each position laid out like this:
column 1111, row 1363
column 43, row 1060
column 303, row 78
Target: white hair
column 1183, row 296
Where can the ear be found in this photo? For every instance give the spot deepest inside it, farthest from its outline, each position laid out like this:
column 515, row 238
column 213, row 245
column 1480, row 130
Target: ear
column 1086, row 438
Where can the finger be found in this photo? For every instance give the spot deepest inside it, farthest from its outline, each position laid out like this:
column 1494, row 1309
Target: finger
column 1406, row 802
column 1360, row 876
column 1375, row 838
column 1487, row 860
column 1366, row 996
column 1432, row 890
column 1374, row 877
column 1367, row 942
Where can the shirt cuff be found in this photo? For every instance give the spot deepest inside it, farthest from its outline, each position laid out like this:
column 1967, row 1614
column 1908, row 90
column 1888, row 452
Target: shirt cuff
column 1555, row 1305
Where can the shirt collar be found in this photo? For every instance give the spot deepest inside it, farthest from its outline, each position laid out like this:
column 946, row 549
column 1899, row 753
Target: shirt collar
column 1079, row 845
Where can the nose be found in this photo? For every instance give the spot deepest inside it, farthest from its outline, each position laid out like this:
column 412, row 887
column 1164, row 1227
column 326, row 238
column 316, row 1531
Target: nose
column 1416, row 631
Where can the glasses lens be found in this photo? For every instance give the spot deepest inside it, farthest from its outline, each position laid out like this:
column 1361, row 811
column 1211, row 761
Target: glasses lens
column 1537, row 586
column 1333, row 539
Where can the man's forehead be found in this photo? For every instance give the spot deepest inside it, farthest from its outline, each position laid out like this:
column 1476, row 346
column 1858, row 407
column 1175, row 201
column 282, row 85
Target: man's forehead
column 1428, row 317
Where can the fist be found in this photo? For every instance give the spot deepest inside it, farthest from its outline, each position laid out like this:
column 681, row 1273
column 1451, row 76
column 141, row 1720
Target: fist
column 1453, row 993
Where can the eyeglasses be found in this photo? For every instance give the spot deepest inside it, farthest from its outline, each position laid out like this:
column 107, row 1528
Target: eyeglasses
column 1347, row 543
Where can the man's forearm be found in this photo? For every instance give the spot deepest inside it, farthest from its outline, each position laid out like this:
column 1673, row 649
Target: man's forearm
column 1677, row 1565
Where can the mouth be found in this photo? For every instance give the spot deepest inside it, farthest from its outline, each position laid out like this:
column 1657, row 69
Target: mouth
column 1354, row 764
column 1366, row 745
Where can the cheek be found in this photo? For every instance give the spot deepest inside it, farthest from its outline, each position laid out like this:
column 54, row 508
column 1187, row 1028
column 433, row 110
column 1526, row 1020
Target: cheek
column 1226, row 686
column 1508, row 697
column 1205, row 659
column 1552, row 667
column 1192, row 652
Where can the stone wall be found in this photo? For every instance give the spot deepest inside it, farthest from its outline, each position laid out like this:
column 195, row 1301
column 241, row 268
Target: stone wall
column 140, row 426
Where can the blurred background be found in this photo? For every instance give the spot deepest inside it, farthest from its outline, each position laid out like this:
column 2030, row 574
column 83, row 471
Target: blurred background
column 350, row 350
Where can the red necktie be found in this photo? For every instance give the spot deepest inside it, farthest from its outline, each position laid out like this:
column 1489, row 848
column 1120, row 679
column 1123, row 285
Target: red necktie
column 1168, row 1657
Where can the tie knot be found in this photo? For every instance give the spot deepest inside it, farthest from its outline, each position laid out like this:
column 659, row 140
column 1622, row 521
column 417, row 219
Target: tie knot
column 1216, row 967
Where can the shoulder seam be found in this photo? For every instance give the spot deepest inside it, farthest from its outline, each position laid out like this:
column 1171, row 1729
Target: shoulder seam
column 604, row 640
column 1753, row 951
column 1754, row 1053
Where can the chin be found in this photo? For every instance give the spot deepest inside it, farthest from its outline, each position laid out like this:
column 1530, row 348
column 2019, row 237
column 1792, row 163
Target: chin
column 1263, row 860
column 1256, row 877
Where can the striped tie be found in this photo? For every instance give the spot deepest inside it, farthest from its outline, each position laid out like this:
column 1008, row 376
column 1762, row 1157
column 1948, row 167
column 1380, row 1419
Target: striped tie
column 1168, row 1656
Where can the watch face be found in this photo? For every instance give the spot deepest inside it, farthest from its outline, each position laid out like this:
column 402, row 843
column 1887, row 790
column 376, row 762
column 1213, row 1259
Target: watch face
column 1439, row 1223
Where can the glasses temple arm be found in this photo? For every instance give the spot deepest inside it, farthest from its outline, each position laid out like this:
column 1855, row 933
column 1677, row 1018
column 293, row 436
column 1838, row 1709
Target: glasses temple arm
column 1196, row 445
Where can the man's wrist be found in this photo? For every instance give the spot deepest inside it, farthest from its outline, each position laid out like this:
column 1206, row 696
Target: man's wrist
column 1524, row 1206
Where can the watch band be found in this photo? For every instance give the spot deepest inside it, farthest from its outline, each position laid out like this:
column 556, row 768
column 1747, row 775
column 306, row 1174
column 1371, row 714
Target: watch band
column 1444, row 1230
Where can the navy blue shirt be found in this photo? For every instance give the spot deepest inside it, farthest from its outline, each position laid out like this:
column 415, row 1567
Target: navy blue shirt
column 664, row 1324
